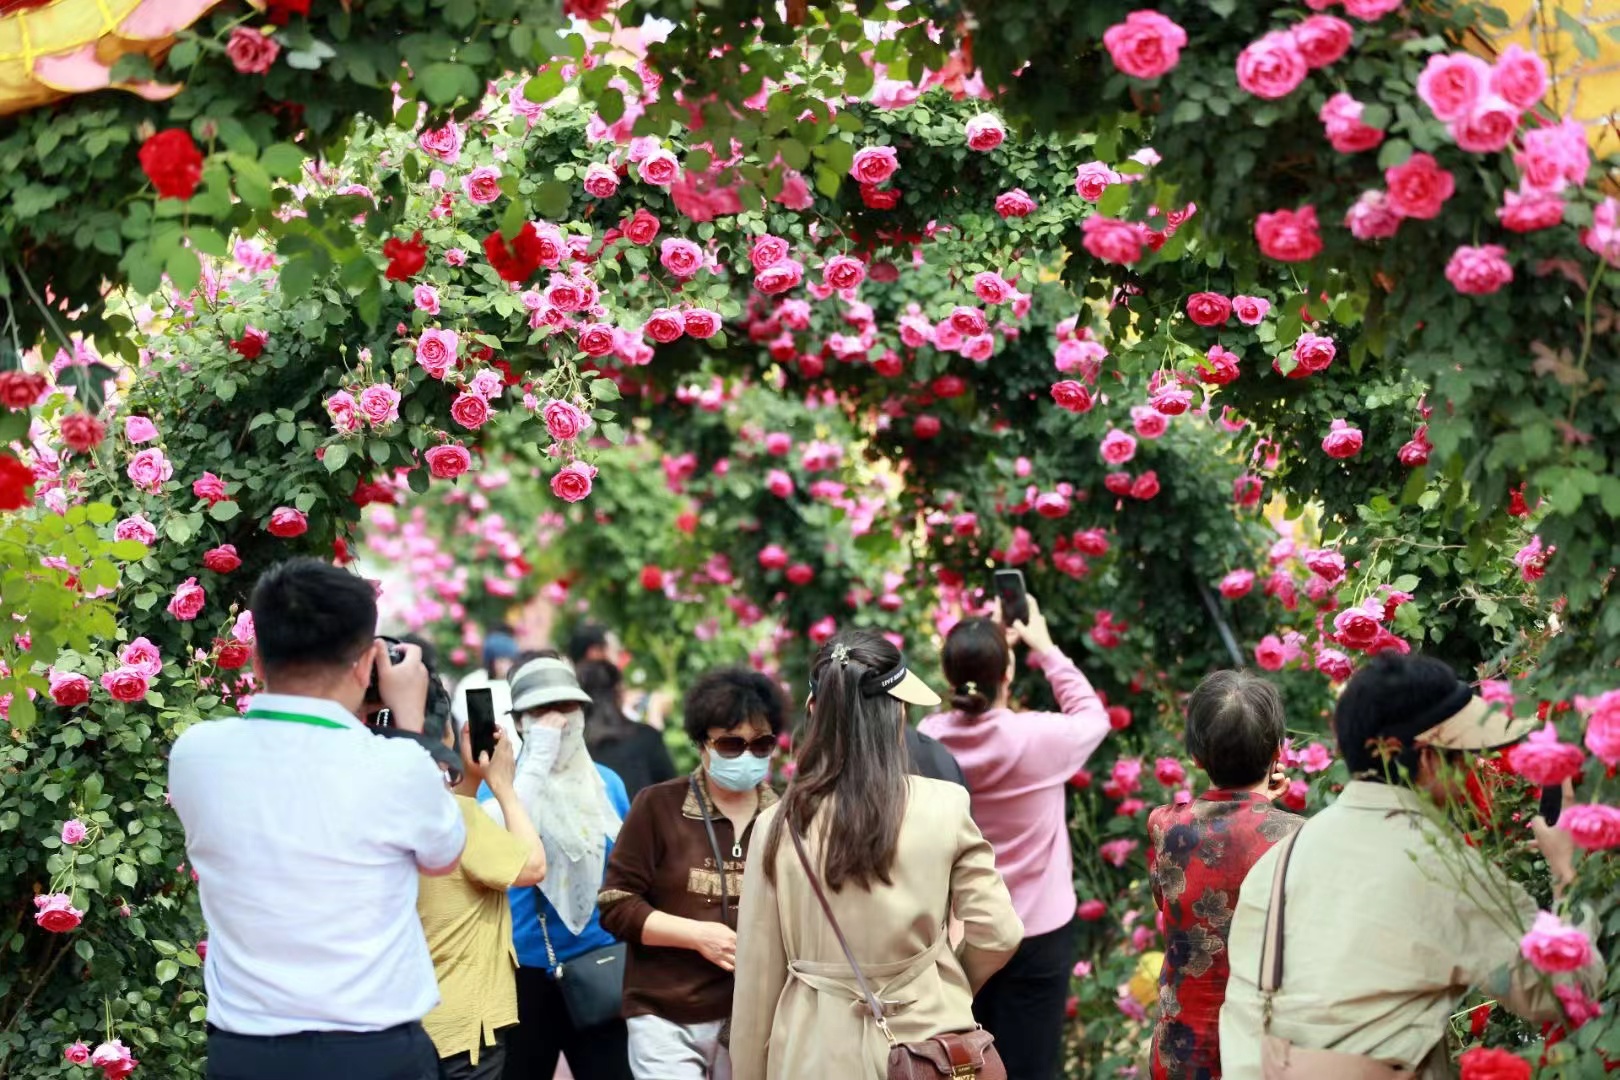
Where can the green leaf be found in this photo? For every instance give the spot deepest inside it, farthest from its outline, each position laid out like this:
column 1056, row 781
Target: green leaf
column 208, row 241
column 224, row 511
column 84, row 949
column 298, row 277
column 176, row 528
column 167, row 970
column 125, row 873
column 184, row 269
column 604, row 390
column 336, row 456
column 282, row 159
column 1394, row 152
column 543, row 87
column 551, row 199
column 444, row 83
column 128, row 550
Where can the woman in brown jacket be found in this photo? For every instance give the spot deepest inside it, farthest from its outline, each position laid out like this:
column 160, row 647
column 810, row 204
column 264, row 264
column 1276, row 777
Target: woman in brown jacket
column 897, row 856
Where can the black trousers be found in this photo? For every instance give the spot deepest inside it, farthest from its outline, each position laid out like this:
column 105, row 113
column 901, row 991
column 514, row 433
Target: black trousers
column 491, row 1061
column 399, row 1053
column 1023, row 1005
column 545, row 1032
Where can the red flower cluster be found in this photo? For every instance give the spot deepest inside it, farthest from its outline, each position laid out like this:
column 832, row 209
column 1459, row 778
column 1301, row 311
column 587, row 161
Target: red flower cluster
column 519, row 261
column 405, row 257
column 171, row 160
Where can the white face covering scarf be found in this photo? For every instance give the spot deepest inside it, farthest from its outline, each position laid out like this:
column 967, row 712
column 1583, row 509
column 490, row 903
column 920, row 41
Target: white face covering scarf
column 558, row 784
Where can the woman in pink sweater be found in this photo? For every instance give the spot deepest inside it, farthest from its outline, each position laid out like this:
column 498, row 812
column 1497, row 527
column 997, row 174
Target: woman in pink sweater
column 1017, row 765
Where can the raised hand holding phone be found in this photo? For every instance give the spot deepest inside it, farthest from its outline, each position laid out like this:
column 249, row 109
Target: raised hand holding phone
column 1032, row 631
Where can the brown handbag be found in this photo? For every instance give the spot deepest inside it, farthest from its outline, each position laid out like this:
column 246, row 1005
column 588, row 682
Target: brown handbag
column 960, row 1055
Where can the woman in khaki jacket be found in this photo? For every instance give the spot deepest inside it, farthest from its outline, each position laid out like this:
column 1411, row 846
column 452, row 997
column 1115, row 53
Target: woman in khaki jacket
column 898, row 857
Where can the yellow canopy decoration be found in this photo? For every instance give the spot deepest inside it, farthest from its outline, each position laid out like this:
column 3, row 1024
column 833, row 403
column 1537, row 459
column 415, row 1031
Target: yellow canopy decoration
column 50, row 49
column 1145, row 981
column 1585, row 87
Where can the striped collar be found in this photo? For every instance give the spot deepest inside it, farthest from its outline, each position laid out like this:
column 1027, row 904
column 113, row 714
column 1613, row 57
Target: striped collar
column 324, row 711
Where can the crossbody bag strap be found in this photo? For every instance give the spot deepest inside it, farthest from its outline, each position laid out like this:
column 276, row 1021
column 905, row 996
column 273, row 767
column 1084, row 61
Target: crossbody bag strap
column 714, row 844
column 1271, row 946
column 872, row 1002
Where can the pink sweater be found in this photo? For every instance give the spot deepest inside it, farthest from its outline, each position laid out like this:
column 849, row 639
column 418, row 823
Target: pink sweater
column 1017, row 764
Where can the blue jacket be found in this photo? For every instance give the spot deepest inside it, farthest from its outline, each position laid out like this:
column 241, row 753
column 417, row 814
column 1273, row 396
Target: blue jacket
column 526, row 937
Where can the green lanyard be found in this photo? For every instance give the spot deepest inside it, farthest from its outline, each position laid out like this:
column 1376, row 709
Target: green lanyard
column 293, row 718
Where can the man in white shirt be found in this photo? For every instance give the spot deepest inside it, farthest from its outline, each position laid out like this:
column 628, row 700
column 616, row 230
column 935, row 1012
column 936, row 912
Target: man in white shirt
column 307, row 833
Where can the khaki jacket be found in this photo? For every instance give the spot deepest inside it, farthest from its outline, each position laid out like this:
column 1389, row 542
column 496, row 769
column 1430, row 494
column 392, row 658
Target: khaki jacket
column 798, row 1013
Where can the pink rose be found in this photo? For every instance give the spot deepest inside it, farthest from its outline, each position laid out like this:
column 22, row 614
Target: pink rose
column 1322, row 40
column 443, row 143
column 573, row 481
column 252, row 51
column 1341, row 117
column 1289, row 235
column 680, row 257
column 1372, row 217
column 1148, row 422
column 1145, row 487
column 641, row 229
column 1370, row 10
column 1415, row 451
column 1086, row 357
column 136, row 527
column 1314, row 353
column 138, row 429
column 469, row 410
column 1208, row 308
column 1116, row 852
column 187, row 602
column 1015, row 204
column 984, row 132
column 1092, row 179
column 779, row 278
column 1552, row 946
column 1237, row 584
column 596, row 339
column 1113, row 241
column 436, row 351
column 1479, row 271
column 142, row 656
column 1553, row 157
column 73, row 831
column 448, row 461
column 114, row 1060
column 222, row 559
column 1270, row 653
column 77, row 1054
column 1593, row 826
column 772, row 557
column 768, row 251
column 125, row 684
column 874, row 164
column 664, row 325
column 779, row 483
column 700, row 323
column 1327, row 565
column 69, row 688
column 1487, row 127
column 287, row 522
column 1146, row 45
column 55, row 912
column 1355, row 628
column 1532, row 559
column 1543, row 760
column 842, row 272
column 1452, row 83
column 1219, row 367
column 380, row 404
column 1051, row 504
column 1603, row 238
column 601, row 181
column 426, row 298
column 1602, row 725
column 564, row 420
column 1171, row 400
column 1271, row 67
column 659, row 168
column 482, row 185
column 1251, row 310
column 1519, row 76
column 1342, row 441
column 992, row 288
column 344, row 411
column 149, row 469
column 1334, row 664
column 1527, row 211
column 210, row 487
column 1117, row 447
column 1091, row 910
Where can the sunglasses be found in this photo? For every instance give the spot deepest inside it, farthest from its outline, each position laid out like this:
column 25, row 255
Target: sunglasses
column 732, row 746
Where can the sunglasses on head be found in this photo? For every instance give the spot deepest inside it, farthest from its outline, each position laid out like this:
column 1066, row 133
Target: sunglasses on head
column 732, row 746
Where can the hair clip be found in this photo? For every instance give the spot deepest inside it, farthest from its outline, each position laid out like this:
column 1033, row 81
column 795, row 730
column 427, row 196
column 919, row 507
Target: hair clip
column 970, row 687
column 840, row 653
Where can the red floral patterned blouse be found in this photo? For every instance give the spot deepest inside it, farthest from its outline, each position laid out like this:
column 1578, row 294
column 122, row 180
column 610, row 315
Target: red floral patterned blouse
column 1198, row 856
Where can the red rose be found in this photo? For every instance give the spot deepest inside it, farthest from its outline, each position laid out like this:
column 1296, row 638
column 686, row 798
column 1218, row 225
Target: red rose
column 469, row 410
column 1091, row 910
column 405, row 257
column 172, row 162
column 1072, row 396
column 221, row 560
column 15, row 481
column 56, row 913
column 800, row 574
column 519, row 261
column 82, row 432
column 232, row 653
column 69, row 689
column 210, row 487
column 588, row 10
column 1289, row 235
column 282, row 10
column 1118, row 483
column 19, row 390
column 1119, row 717
column 652, row 578
column 1145, row 486
column 1208, row 309
column 287, row 522
column 250, row 346
column 687, row 522
column 367, row 492
column 447, row 462
column 877, row 198
column 1482, row 1064
column 925, row 426
column 641, row 229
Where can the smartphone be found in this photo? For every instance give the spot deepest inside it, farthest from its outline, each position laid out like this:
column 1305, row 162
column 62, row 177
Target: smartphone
column 481, row 722
column 1014, row 601
column 1552, row 803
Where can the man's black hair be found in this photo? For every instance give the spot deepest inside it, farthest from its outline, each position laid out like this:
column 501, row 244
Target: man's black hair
column 586, row 636
column 1235, row 728
column 730, row 697
column 1382, row 698
column 311, row 614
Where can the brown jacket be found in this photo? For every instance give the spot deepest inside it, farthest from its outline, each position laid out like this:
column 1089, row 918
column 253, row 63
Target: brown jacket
column 663, row 861
column 796, row 1016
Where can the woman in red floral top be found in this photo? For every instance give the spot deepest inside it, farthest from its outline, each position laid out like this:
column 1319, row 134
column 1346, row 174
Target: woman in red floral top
column 1199, row 854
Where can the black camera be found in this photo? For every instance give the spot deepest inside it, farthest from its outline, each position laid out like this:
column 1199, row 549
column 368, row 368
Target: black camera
column 436, row 710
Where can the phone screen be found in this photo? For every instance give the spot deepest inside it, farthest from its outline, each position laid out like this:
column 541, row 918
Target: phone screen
column 481, row 722
column 1552, row 803
column 1010, row 591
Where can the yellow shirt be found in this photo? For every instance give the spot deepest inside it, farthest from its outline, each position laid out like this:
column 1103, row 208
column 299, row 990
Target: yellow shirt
column 469, row 934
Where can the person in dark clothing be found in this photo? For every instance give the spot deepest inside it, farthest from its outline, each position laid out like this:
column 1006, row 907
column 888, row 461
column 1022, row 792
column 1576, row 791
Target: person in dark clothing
column 929, row 758
column 635, row 751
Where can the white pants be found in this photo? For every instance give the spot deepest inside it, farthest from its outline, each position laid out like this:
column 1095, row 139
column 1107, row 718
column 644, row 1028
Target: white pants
column 662, row 1050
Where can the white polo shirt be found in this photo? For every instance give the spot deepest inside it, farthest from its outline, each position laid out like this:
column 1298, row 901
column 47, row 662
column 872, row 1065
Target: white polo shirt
column 306, row 832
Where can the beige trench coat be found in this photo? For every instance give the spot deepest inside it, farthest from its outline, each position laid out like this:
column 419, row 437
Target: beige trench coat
column 798, row 1014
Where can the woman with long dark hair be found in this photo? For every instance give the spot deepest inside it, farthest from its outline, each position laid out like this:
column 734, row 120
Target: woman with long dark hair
column 895, row 857
column 1017, row 765
column 633, row 750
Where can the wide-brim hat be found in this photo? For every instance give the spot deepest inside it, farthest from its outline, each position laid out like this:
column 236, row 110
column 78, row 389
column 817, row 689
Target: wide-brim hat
column 1476, row 725
column 545, row 681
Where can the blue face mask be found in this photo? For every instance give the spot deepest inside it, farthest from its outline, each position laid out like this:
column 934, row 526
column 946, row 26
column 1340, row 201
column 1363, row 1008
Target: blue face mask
column 742, row 773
